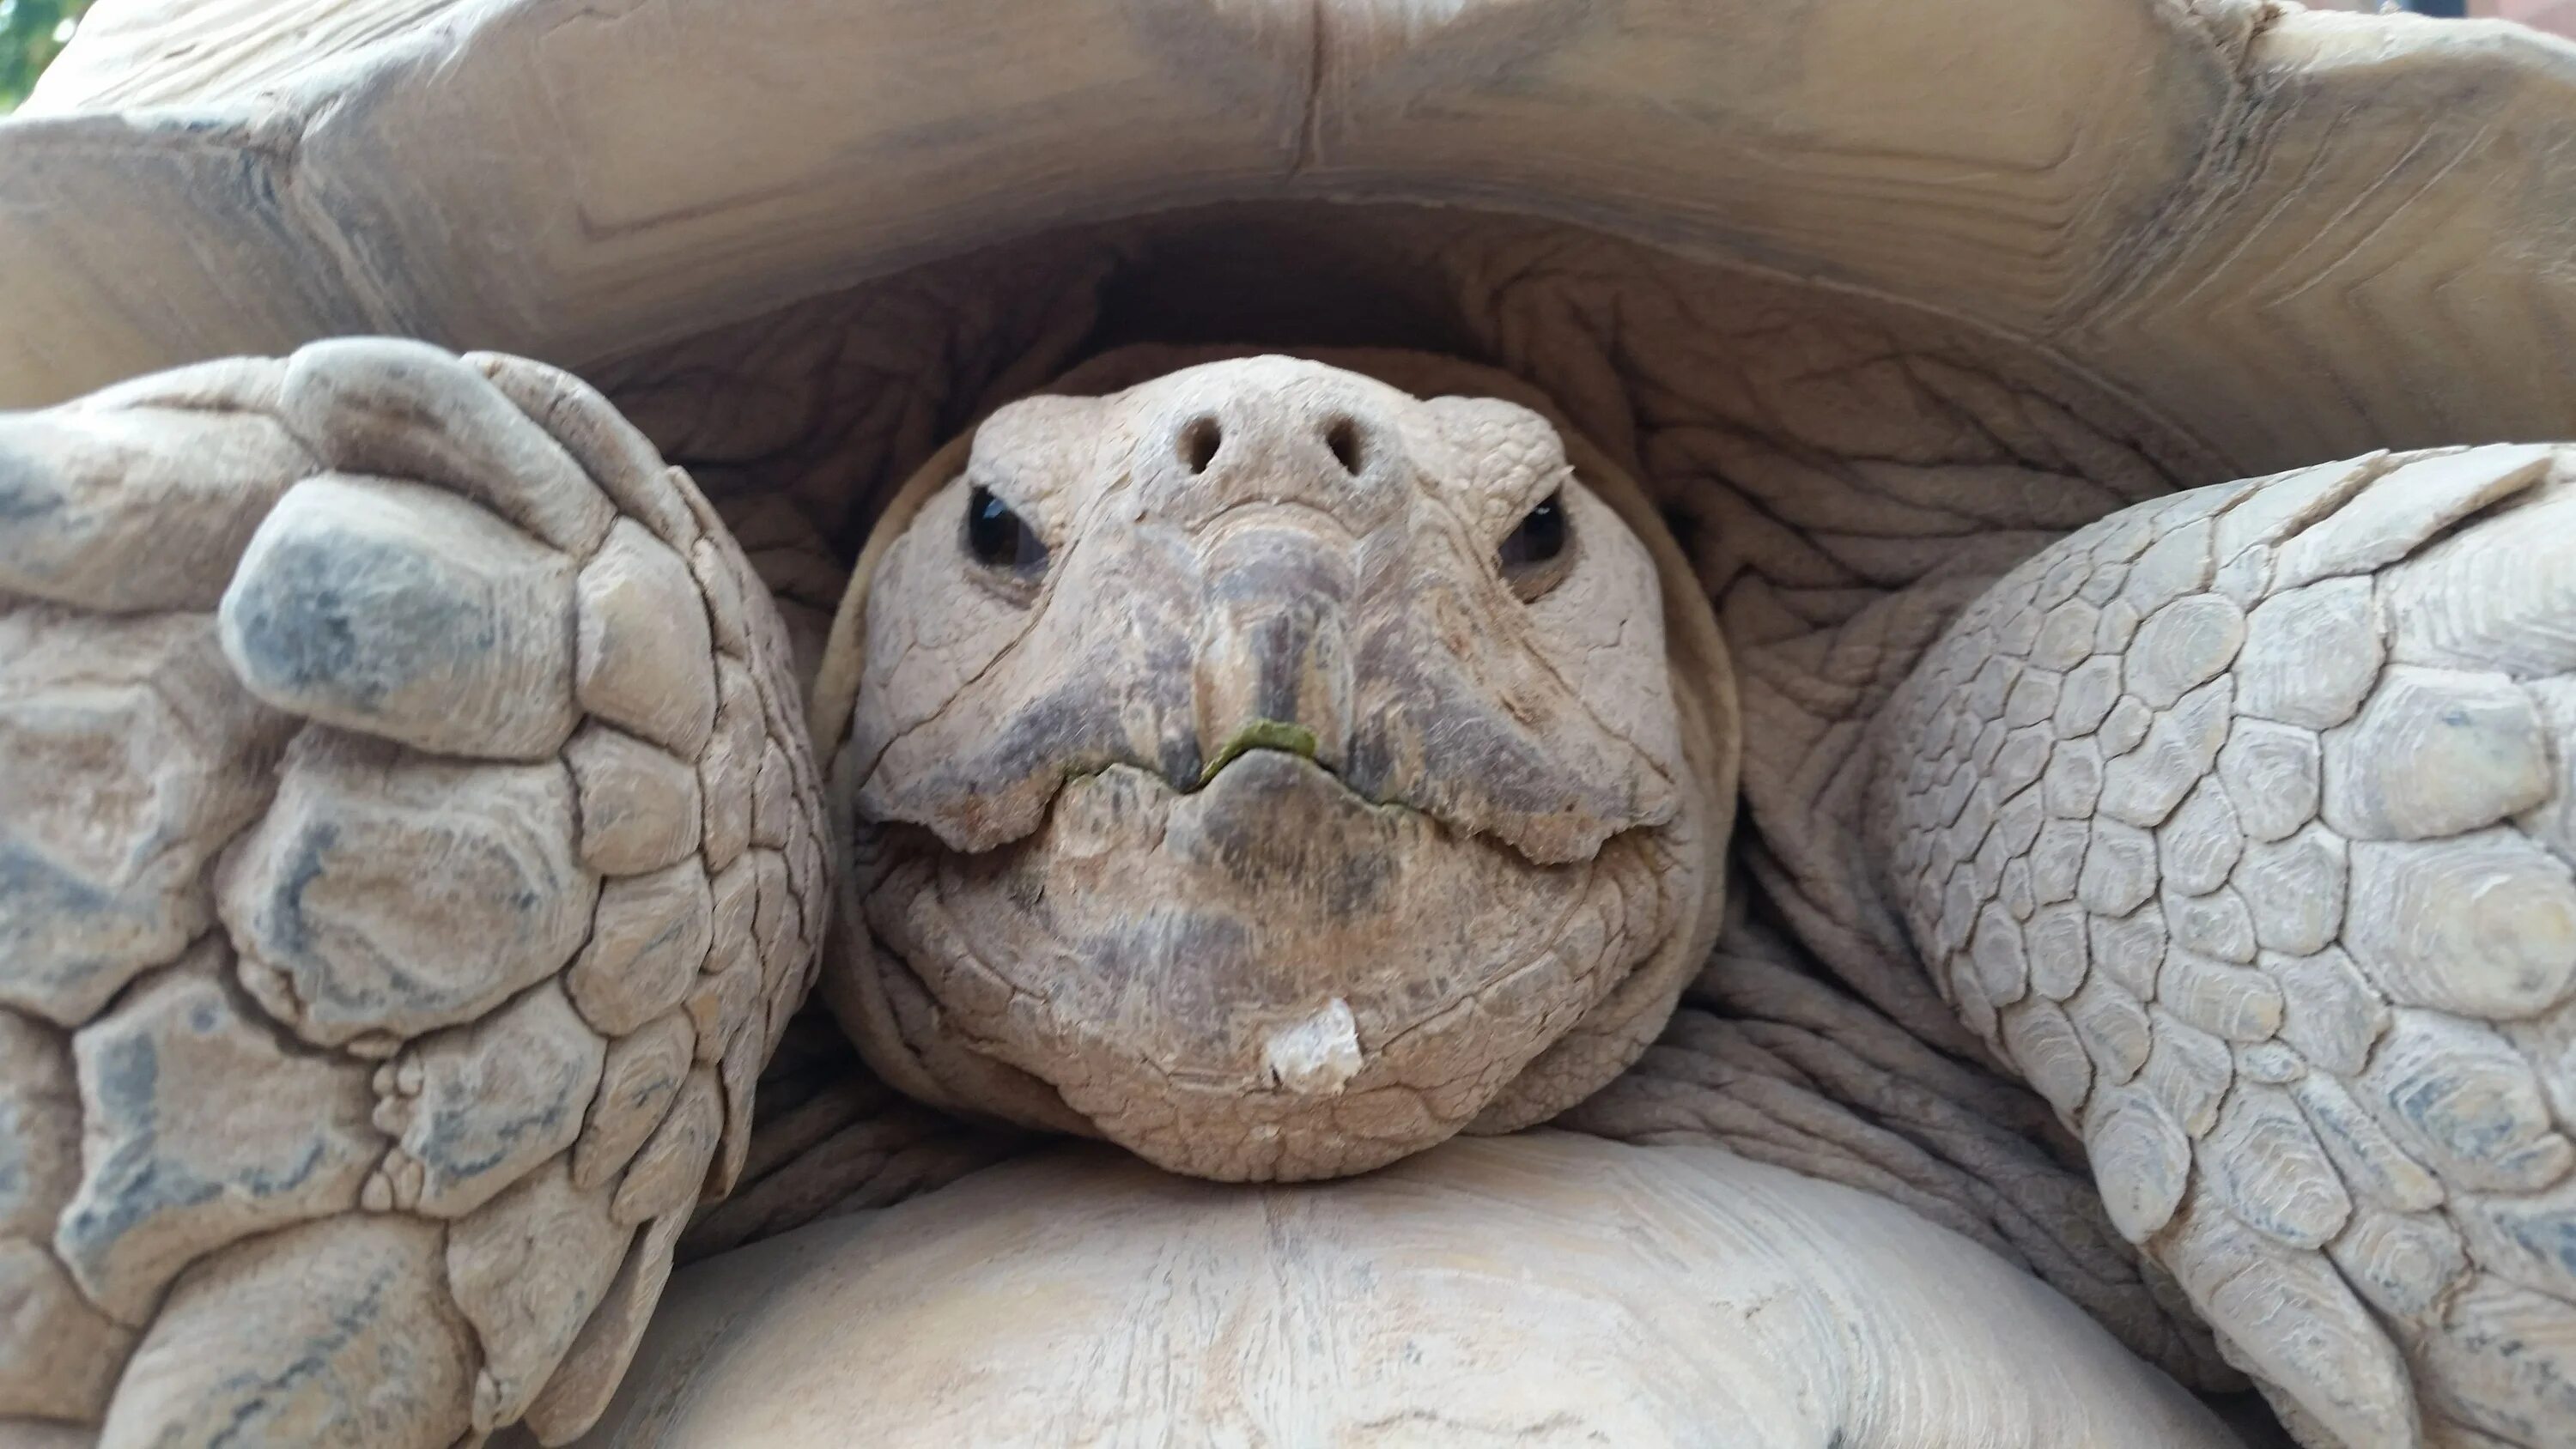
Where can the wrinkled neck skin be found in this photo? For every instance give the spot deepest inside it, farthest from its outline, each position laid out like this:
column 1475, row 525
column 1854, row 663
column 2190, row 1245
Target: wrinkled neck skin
column 1807, row 1035
column 1288, row 800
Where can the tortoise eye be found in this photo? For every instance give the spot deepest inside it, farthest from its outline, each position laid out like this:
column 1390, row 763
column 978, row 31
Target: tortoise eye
column 1539, row 552
column 1539, row 538
column 998, row 537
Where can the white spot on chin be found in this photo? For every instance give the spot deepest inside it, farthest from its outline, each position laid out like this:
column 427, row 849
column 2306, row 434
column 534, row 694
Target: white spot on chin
column 1317, row 1056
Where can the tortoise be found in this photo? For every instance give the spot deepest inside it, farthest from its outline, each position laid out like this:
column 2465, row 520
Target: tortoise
column 1634, row 663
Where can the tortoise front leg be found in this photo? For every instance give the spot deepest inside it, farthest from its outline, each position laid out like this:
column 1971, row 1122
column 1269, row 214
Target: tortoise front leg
column 2241, row 824
column 409, row 854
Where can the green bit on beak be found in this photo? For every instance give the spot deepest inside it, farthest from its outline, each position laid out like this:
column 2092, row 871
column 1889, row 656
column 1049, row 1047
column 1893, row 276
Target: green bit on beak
column 1262, row 734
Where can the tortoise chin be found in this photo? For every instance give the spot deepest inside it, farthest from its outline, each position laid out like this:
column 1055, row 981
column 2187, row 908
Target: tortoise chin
column 1267, row 977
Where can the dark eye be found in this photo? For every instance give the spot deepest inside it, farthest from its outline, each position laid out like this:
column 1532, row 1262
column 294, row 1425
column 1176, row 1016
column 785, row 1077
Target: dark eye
column 997, row 536
column 1539, row 539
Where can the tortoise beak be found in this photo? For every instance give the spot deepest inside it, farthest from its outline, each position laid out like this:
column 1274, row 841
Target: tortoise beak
column 1273, row 668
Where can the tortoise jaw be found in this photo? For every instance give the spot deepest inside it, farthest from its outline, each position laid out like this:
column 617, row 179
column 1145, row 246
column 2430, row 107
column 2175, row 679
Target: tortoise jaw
column 1266, row 734
column 1268, row 976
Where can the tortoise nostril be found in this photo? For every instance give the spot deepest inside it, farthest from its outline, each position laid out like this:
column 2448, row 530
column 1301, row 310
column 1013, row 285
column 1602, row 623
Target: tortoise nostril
column 1199, row 442
column 1343, row 437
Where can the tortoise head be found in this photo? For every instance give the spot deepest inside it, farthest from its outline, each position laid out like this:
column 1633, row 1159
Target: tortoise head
column 1270, row 771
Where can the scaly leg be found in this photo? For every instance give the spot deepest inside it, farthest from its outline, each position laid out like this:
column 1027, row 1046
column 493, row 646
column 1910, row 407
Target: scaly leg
column 2241, row 824
column 409, row 854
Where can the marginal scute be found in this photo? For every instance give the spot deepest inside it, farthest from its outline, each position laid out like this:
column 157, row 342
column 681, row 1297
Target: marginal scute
column 665, row 1176
column 475, row 1107
column 59, row 1356
column 407, row 613
column 128, row 755
column 2144, row 786
column 402, row 409
column 2292, row 1315
column 182, row 1154
column 2458, row 1096
column 40, row 1127
column 2434, row 753
column 646, row 945
column 2401, row 1262
column 2043, row 1044
column 2294, row 891
column 645, row 653
column 2368, row 1157
column 2490, row 598
column 2267, row 1166
column 391, row 893
column 2273, row 775
column 2328, row 1011
column 2113, row 1028
column 2482, row 926
column 356, row 1347
column 2499, row 1362
column 2310, row 656
column 642, row 1075
column 640, row 807
column 2183, row 646
column 728, row 771
column 527, row 1269
column 582, row 1384
column 2405, row 506
column 2200, row 843
column 2141, row 1159
column 2188, row 1070
column 2235, row 1002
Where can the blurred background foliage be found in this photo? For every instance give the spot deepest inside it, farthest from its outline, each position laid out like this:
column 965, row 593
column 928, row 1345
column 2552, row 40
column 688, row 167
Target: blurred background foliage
column 31, row 31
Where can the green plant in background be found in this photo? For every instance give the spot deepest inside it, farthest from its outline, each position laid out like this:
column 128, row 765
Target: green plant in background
column 32, row 32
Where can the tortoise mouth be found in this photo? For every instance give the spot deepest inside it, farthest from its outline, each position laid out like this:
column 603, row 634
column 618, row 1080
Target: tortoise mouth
column 1262, row 737
column 1214, row 978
